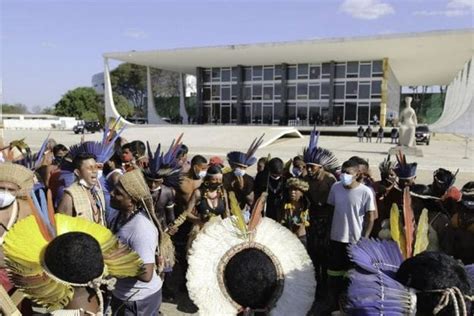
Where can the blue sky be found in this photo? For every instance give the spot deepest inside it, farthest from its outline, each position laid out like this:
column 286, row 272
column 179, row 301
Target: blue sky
column 51, row 46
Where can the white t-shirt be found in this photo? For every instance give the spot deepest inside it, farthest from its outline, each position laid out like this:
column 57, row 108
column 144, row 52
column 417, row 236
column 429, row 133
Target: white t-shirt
column 142, row 236
column 350, row 206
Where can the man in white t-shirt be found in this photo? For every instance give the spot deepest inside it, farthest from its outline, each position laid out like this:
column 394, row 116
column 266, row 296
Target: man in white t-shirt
column 353, row 218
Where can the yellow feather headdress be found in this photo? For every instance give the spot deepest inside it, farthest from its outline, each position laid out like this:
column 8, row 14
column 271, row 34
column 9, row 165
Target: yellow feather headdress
column 26, row 242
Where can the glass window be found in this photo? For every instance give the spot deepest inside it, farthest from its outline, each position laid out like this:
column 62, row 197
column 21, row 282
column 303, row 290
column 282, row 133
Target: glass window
column 247, row 113
column 326, row 70
column 291, row 111
column 302, row 112
column 351, row 111
column 235, row 110
column 257, row 113
column 247, row 73
column 225, row 93
column 374, row 109
column 363, row 115
column 303, row 71
column 314, row 92
column 340, row 91
column 291, row 92
column 279, row 111
column 377, row 66
column 247, row 93
column 353, row 67
column 235, row 91
column 277, row 72
column 267, row 114
column 268, row 74
column 325, row 88
column 364, row 90
column 376, row 87
column 225, row 75
column 257, row 72
column 302, row 89
column 291, row 73
column 268, row 92
column 235, row 73
column 216, row 74
column 225, row 113
column 351, row 87
column 206, row 93
column 340, row 71
column 257, row 92
column 364, row 71
column 314, row 115
column 216, row 91
column 206, row 76
column 314, row 72
column 277, row 89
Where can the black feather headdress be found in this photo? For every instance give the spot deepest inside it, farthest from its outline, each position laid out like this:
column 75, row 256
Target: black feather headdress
column 246, row 159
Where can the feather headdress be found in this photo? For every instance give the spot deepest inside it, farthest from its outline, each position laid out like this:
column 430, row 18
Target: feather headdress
column 319, row 156
column 163, row 165
column 403, row 169
column 386, row 165
column 246, row 159
column 33, row 161
column 25, row 245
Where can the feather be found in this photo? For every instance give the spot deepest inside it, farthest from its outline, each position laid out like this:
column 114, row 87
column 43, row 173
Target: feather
column 257, row 212
column 376, row 255
column 40, row 154
column 422, row 241
column 409, row 221
column 237, row 212
column 470, row 272
column 396, row 230
column 39, row 221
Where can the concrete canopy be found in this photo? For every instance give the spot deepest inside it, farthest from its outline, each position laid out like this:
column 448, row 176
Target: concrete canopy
column 429, row 58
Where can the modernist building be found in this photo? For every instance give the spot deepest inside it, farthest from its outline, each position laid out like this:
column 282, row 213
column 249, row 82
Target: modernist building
column 334, row 81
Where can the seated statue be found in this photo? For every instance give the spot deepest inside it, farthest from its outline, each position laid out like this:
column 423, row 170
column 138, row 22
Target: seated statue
column 408, row 124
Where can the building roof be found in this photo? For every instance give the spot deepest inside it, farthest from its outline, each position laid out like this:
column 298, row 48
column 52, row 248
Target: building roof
column 429, row 58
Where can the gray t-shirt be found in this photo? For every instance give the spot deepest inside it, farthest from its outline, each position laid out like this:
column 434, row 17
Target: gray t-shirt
column 142, row 236
column 350, row 206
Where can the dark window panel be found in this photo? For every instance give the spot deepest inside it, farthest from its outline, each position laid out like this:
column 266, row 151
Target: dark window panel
column 268, row 74
column 376, row 87
column 341, row 71
column 225, row 93
column 351, row 111
column 303, row 71
column 315, row 72
column 277, row 72
column 216, row 74
column 302, row 89
column 326, row 70
column 340, row 91
column 257, row 90
column 303, row 112
column 363, row 115
column 314, row 92
column 247, row 93
column 235, row 91
column 277, row 89
column 216, row 89
column 291, row 73
column 364, row 71
column 268, row 93
column 353, row 67
column 338, row 115
column 351, row 87
column 278, row 111
column 364, row 91
column 257, row 113
column 374, row 109
column 291, row 92
column 377, row 66
column 234, row 112
column 206, row 76
column 267, row 114
column 247, row 73
column 292, row 111
column 257, row 72
column 325, row 88
column 235, row 73
column 206, row 93
column 225, row 75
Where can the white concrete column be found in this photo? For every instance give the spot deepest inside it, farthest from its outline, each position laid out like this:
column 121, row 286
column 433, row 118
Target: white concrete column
column 110, row 110
column 182, row 95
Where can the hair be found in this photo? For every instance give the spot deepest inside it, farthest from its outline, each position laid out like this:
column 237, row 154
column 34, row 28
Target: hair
column 74, row 257
column 275, row 166
column 298, row 184
column 80, row 158
column 350, row 164
column 137, row 148
column 298, row 158
column 360, row 161
column 262, row 160
column 58, row 148
column 444, row 175
column 213, row 170
column 182, row 151
column 198, row 160
column 433, row 271
column 250, row 278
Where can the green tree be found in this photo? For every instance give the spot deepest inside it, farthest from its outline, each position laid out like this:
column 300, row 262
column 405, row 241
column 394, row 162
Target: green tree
column 16, row 108
column 82, row 102
column 123, row 106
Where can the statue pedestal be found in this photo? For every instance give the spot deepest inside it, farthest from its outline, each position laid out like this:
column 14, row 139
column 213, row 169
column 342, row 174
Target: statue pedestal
column 407, row 151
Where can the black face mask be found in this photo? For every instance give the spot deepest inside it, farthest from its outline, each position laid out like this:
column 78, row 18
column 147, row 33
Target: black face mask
column 212, row 186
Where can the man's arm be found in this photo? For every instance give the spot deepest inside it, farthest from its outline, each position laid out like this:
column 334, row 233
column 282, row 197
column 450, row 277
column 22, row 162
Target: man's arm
column 66, row 205
column 368, row 225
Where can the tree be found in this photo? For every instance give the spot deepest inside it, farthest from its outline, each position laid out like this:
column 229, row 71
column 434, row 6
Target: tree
column 82, row 102
column 122, row 105
column 17, row 108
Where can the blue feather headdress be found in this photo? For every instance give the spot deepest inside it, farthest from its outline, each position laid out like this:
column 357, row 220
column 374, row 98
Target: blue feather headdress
column 246, row 159
column 319, row 156
column 33, row 161
column 404, row 170
column 164, row 165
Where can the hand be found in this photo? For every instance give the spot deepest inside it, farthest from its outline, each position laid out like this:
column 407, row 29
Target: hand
column 172, row 230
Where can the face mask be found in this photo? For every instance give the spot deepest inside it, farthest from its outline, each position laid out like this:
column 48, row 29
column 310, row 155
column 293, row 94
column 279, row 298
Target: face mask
column 156, row 189
column 275, row 178
column 239, row 172
column 213, row 186
column 296, row 172
column 347, row 179
column 202, row 174
column 6, row 199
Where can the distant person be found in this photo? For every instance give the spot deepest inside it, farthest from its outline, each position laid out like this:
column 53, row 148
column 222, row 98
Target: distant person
column 380, row 135
column 360, row 134
column 368, row 134
column 394, row 136
column 375, row 118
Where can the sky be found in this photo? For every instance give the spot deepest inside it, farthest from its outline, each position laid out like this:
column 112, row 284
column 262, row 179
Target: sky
column 51, row 46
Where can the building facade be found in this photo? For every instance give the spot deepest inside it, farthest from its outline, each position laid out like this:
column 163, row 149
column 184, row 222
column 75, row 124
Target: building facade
column 332, row 93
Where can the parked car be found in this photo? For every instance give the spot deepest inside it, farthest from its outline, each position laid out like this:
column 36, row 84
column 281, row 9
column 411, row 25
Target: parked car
column 423, row 134
column 91, row 126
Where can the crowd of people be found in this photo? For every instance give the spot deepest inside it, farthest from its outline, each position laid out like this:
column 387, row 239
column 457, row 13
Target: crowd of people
column 157, row 202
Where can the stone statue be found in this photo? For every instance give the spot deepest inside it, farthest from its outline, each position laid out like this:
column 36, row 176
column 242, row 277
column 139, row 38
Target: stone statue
column 408, row 124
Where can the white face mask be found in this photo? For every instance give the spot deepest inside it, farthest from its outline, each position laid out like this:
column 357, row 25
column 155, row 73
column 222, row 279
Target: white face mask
column 6, row 198
column 347, row 179
column 239, row 172
column 202, row 174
